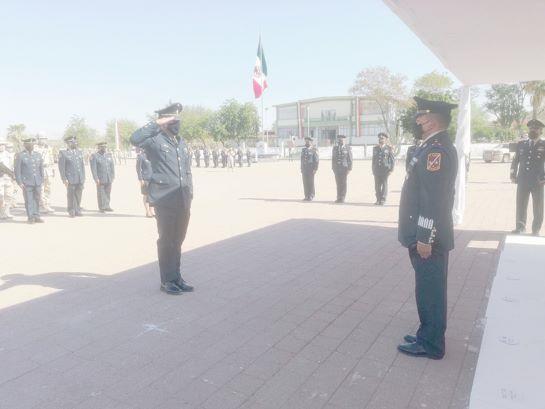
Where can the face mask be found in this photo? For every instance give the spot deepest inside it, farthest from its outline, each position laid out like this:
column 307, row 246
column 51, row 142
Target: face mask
column 307, row 144
column 533, row 134
column 418, row 131
column 174, row 127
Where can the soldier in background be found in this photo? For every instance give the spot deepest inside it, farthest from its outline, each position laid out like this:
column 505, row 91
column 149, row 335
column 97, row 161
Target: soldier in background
column 206, row 155
column 103, row 170
column 7, row 176
column 144, row 172
column 29, row 174
column 341, row 162
column 309, row 166
column 382, row 166
column 411, row 150
column 223, row 158
column 47, row 155
column 527, row 171
column 239, row 157
column 198, row 157
column 249, row 157
column 72, row 171
column 215, row 157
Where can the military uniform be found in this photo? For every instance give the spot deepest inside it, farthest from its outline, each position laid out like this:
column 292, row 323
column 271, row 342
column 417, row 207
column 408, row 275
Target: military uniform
column 410, row 155
column 341, row 162
column 527, row 170
column 425, row 216
column 382, row 165
column 7, row 196
column 103, row 170
column 29, row 174
column 223, row 158
column 249, row 157
column 215, row 157
column 239, row 157
column 47, row 156
column 198, row 157
column 170, row 192
column 309, row 166
column 206, row 155
column 72, row 171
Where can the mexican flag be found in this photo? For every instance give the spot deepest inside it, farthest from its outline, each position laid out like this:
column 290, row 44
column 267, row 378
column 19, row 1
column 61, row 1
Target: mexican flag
column 260, row 72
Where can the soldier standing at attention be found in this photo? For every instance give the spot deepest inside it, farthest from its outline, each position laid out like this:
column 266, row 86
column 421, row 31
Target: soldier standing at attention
column 72, row 171
column 527, row 171
column 7, row 176
column 411, row 150
column 143, row 170
column 47, row 155
column 198, row 157
column 239, row 157
column 426, row 227
column 249, row 157
column 341, row 162
column 170, row 191
column 29, row 174
column 103, row 170
column 383, row 166
column 206, row 154
column 215, row 155
column 309, row 166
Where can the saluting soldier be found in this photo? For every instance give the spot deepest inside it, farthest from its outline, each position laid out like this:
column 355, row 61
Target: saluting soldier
column 29, row 175
column 309, row 166
column 411, row 150
column 47, row 155
column 170, row 191
column 143, row 170
column 72, row 171
column 426, row 226
column 103, row 170
column 206, row 154
column 527, row 171
column 382, row 166
column 341, row 162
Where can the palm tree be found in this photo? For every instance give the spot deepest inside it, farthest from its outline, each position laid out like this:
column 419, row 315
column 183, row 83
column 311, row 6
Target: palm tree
column 536, row 90
column 15, row 134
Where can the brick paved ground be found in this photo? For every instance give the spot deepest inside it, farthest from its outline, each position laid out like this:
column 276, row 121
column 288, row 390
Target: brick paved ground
column 298, row 305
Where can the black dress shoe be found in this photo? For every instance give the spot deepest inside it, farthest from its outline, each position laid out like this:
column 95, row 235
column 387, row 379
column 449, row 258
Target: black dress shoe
column 417, row 350
column 517, row 231
column 79, row 214
column 409, row 338
column 171, row 288
column 109, row 209
column 183, row 286
column 38, row 220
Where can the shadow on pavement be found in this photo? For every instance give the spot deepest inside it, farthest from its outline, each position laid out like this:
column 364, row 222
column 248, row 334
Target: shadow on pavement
column 332, row 202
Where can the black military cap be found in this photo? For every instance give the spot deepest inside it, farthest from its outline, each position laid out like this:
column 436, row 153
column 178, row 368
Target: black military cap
column 341, row 136
column 308, row 138
column 30, row 139
column 69, row 138
column 171, row 110
column 426, row 106
column 535, row 123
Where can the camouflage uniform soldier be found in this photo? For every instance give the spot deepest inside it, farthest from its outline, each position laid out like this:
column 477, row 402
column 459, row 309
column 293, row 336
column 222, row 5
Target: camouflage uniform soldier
column 47, row 155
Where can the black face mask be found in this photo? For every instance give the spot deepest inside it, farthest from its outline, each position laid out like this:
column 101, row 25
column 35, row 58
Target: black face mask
column 307, row 144
column 418, row 131
column 174, row 127
column 533, row 134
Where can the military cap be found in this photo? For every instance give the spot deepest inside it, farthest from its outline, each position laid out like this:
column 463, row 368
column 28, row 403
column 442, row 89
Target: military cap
column 535, row 123
column 29, row 139
column 426, row 106
column 69, row 138
column 171, row 110
column 341, row 136
column 308, row 138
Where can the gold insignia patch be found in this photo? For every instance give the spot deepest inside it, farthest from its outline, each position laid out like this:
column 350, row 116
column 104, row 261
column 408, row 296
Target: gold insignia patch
column 434, row 162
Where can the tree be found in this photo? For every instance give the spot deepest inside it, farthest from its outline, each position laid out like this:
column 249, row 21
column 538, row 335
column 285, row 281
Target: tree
column 195, row 124
column 481, row 128
column 506, row 103
column 15, row 134
column 125, row 128
column 77, row 127
column 234, row 121
column 386, row 89
column 536, row 90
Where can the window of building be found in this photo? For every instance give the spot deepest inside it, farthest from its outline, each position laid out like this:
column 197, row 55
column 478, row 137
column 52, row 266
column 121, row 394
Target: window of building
column 328, row 114
column 286, row 133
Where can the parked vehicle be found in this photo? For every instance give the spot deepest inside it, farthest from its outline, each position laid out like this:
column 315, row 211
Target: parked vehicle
column 499, row 153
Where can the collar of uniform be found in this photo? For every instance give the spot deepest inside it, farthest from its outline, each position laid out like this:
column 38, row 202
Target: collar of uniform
column 433, row 135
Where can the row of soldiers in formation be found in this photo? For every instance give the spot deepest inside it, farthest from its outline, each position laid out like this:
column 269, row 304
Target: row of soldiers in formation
column 383, row 164
column 228, row 157
column 32, row 171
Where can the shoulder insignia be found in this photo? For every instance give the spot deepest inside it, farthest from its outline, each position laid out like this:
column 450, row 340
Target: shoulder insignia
column 434, row 161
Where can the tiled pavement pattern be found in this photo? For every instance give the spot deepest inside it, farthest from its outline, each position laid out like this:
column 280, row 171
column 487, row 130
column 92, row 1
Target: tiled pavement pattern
column 297, row 305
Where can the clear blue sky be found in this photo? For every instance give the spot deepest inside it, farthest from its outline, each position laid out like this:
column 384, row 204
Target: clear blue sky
column 105, row 59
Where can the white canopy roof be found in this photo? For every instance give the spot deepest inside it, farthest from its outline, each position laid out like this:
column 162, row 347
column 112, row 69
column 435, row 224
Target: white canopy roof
column 481, row 41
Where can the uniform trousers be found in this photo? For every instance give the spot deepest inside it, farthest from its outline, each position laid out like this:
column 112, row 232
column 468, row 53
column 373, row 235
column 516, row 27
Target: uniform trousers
column 172, row 221
column 340, row 179
column 32, row 195
column 7, row 196
column 103, row 195
column 74, row 192
column 524, row 191
column 381, row 186
column 431, row 299
column 308, row 183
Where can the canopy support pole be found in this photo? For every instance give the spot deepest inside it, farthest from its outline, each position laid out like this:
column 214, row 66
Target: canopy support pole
column 463, row 146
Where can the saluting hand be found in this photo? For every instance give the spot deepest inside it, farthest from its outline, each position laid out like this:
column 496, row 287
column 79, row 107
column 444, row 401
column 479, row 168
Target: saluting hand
column 165, row 120
column 424, row 250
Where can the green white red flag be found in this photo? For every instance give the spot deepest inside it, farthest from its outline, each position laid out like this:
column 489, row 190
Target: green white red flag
column 260, row 72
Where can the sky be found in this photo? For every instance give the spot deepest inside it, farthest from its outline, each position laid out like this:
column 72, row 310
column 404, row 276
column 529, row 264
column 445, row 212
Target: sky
column 124, row 59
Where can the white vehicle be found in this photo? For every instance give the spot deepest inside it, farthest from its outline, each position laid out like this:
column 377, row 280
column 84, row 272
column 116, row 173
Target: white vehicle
column 499, row 153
